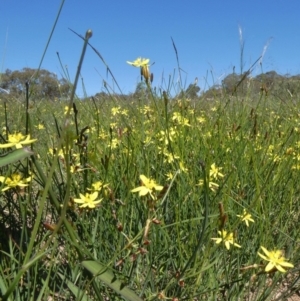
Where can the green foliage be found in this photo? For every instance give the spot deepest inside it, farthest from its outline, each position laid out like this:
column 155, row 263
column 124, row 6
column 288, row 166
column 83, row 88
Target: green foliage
column 43, row 84
column 110, row 280
column 15, row 156
column 269, row 83
column 152, row 247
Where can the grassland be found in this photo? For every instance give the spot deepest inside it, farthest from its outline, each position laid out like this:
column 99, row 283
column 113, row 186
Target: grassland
column 171, row 176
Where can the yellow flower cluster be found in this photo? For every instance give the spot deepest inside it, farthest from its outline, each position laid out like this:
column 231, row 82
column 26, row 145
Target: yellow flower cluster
column 275, row 258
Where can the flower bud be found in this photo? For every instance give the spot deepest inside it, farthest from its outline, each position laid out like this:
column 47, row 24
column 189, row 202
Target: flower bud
column 145, row 72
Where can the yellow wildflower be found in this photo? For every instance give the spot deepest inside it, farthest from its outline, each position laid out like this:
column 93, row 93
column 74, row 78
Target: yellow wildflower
column 67, row 109
column 116, row 110
column 14, row 180
column 169, row 176
column 148, row 187
column 17, row 140
column 40, row 126
column 88, row 200
column 276, row 260
column 227, row 239
column 215, row 172
column 97, row 186
column 144, row 65
column 212, row 185
column 139, row 62
column 52, row 152
column 182, row 167
column 246, row 217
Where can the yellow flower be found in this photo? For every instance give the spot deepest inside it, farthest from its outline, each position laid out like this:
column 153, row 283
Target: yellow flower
column 139, row 62
column 67, row 109
column 170, row 176
column 149, row 186
column 115, row 110
column 246, row 217
column 17, row 140
column 212, row 185
column 169, row 157
column 201, row 119
column 97, row 186
column 52, row 152
column 13, row 181
column 182, row 167
column 227, row 239
column 75, row 168
column 180, row 119
column 144, row 65
column 276, row 260
column 88, row 200
column 40, row 126
column 215, row 172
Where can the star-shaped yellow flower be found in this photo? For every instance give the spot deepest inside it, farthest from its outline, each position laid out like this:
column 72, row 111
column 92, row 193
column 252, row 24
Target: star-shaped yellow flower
column 17, row 140
column 148, row 187
column 226, row 238
column 14, row 180
column 97, row 186
column 139, row 62
column 144, row 65
column 88, row 200
column 246, row 217
column 276, row 260
column 215, row 172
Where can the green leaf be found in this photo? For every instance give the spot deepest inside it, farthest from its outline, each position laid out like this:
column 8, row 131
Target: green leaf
column 98, row 270
column 75, row 289
column 15, row 156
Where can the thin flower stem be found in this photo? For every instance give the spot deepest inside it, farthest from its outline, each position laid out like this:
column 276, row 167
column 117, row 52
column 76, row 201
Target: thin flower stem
column 86, row 40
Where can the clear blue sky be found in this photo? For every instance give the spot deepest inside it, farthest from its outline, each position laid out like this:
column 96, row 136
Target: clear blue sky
column 206, row 34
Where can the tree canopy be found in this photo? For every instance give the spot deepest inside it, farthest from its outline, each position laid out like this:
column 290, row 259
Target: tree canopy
column 43, row 83
column 269, row 82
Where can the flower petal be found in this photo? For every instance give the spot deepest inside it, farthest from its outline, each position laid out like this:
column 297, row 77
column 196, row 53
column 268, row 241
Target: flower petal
column 263, row 256
column 287, row 264
column 269, row 266
column 265, row 251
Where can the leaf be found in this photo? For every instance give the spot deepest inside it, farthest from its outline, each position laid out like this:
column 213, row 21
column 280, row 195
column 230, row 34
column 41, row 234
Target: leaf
column 15, row 156
column 74, row 289
column 98, row 270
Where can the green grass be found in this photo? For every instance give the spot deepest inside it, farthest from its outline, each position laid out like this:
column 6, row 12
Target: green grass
column 149, row 247
column 256, row 143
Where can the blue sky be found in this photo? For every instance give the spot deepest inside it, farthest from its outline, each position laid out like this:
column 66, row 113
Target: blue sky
column 206, row 34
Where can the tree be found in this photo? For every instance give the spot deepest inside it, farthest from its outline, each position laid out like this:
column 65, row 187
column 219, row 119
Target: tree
column 216, row 91
column 43, row 83
column 141, row 89
column 230, row 81
column 192, row 91
column 269, row 78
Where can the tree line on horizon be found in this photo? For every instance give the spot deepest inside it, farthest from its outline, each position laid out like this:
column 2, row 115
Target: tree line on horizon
column 269, row 84
column 46, row 85
column 43, row 83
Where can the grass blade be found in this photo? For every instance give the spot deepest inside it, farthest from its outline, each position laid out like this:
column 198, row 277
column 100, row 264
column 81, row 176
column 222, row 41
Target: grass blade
column 15, row 156
column 110, row 279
